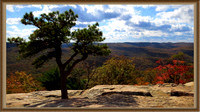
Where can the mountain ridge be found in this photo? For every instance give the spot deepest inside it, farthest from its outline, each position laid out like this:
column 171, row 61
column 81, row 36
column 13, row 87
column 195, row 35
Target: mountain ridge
column 146, row 54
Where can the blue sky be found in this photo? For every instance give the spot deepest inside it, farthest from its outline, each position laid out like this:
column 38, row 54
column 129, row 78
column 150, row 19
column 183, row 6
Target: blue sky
column 119, row 23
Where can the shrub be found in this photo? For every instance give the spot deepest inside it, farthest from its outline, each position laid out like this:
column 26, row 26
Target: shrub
column 177, row 72
column 20, row 82
column 75, row 81
column 117, row 70
column 51, row 80
column 149, row 75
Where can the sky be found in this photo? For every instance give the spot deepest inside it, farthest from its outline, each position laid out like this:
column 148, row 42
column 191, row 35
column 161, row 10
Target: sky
column 119, row 23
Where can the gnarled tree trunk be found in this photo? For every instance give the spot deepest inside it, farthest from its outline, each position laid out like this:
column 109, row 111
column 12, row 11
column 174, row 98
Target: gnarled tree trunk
column 64, row 93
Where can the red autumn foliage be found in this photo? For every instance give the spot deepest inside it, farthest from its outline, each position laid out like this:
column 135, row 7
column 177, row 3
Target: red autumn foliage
column 175, row 72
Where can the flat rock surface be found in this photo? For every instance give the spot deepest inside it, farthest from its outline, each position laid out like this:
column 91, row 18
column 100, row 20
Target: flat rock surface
column 109, row 96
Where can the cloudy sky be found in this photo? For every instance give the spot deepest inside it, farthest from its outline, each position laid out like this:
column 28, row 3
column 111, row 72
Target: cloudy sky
column 119, row 23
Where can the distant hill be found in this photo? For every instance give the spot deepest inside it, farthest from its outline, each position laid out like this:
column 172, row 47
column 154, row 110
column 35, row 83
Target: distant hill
column 9, row 45
column 143, row 52
column 151, row 49
column 148, row 49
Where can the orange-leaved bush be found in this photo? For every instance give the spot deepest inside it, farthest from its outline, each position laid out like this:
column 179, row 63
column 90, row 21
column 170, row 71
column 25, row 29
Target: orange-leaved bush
column 20, row 82
column 141, row 81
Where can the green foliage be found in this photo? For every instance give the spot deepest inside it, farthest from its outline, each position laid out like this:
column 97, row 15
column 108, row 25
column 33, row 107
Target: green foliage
column 75, row 83
column 181, row 56
column 117, row 70
column 121, row 70
column 17, row 40
column 50, row 79
column 75, row 80
column 86, row 39
column 52, row 31
column 141, row 63
column 149, row 75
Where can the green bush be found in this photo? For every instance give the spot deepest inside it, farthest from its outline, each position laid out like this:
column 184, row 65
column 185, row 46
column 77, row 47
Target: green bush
column 117, row 70
column 51, row 80
column 75, row 80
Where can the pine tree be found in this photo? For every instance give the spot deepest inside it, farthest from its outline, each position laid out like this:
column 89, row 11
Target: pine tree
column 53, row 30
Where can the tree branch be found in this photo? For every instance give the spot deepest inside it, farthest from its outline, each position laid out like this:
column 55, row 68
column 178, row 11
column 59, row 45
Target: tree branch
column 70, row 59
column 74, row 64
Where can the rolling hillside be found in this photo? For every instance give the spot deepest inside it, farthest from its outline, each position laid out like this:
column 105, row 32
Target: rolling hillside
column 145, row 55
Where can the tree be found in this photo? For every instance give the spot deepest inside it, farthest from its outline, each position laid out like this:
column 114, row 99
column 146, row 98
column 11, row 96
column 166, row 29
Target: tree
column 181, row 56
column 52, row 31
column 117, row 70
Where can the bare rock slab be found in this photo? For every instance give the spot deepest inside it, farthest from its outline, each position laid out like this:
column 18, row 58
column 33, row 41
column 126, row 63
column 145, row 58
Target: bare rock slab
column 130, row 96
column 120, row 89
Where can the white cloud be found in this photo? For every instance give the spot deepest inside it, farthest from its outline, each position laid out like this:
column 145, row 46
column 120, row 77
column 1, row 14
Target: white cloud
column 86, row 23
column 122, row 9
column 183, row 14
column 116, row 28
column 28, row 6
column 162, row 7
column 145, row 6
column 16, row 32
column 10, row 8
column 37, row 6
column 178, row 33
column 20, row 6
column 148, row 33
column 166, row 7
column 15, row 28
column 177, row 26
column 92, row 9
column 136, row 19
column 45, row 10
column 74, row 6
column 53, row 6
column 12, row 21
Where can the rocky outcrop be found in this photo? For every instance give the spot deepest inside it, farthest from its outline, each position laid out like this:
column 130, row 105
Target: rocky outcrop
column 156, row 90
column 116, row 89
column 191, row 84
column 166, row 95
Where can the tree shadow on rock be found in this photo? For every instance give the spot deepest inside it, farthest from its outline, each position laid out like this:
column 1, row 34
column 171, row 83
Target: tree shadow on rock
column 108, row 100
column 71, row 102
column 117, row 100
